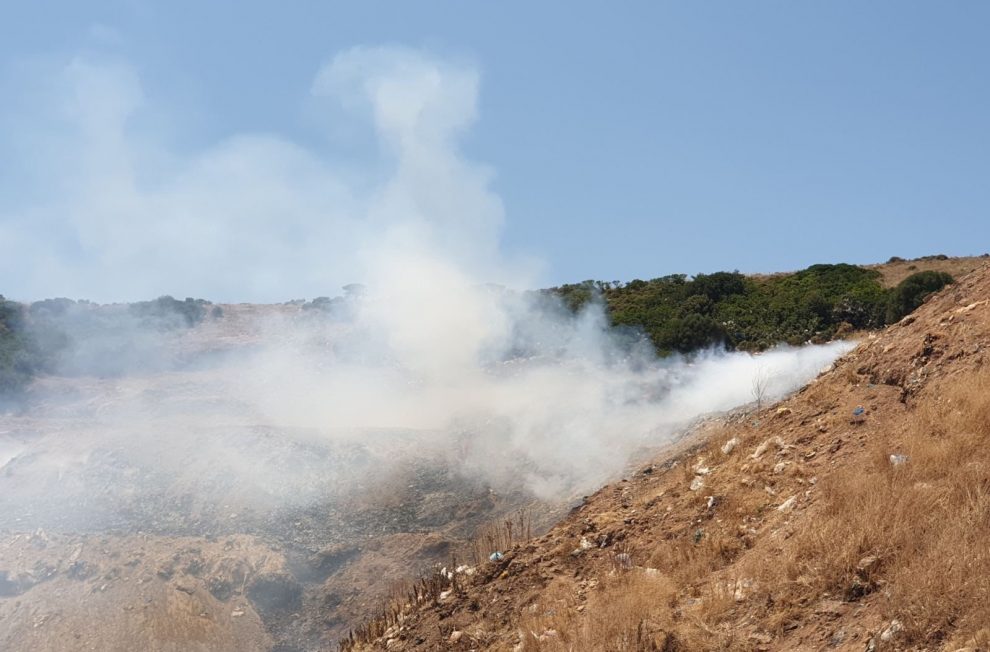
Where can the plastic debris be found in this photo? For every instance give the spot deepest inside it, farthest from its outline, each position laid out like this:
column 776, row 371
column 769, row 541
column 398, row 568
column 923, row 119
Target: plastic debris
column 858, row 412
column 898, row 458
column 495, row 556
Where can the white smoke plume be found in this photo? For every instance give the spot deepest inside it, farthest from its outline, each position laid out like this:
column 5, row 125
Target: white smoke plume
column 506, row 385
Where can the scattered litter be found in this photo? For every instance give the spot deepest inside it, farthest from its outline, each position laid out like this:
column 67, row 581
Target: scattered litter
column 858, row 412
column 495, row 556
column 898, row 458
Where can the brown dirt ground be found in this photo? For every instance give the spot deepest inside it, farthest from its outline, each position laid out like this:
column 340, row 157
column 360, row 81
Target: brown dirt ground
column 895, row 272
column 750, row 501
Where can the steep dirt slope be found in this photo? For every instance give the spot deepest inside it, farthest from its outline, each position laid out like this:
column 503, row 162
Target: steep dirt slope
column 854, row 515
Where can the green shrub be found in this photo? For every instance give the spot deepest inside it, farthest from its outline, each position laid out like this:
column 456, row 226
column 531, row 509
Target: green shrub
column 166, row 312
column 912, row 291
column 19, row 357
column 682, row 314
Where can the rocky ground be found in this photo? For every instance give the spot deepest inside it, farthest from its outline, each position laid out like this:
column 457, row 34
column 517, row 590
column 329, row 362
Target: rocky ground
column 159, row 511
column 172, row 570
column 720, row 544
column 208, row 528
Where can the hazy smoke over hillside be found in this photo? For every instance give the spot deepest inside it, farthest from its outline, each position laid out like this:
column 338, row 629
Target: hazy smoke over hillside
column 507, row 385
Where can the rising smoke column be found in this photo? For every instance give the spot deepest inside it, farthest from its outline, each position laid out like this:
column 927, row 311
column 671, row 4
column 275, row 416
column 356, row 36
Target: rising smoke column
column 511, row 387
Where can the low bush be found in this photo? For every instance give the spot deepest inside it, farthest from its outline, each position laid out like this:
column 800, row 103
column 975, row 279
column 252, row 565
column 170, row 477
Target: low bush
column 912, row 291
column 681, row 314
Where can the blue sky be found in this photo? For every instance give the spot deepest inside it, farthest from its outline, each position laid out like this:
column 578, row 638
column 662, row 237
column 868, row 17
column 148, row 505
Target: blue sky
column 622, row 142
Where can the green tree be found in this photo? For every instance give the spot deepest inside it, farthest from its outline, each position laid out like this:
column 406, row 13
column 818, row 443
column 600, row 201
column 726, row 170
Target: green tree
column 912, row 291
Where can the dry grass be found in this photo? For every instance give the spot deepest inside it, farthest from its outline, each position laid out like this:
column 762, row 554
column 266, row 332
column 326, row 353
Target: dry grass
column 912, row 538
column 628, row 611
column 403, row 595
column 895, row 272
column 916, row 533
column 500, row 536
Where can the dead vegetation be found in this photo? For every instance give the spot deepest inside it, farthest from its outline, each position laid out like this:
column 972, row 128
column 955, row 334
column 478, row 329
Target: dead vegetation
column 897, row 269
column 852, row 516
column 908, row 527
column 500, row 536
column 911, row 524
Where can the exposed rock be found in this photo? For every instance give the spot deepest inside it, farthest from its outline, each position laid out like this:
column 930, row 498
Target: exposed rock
column 891, row 631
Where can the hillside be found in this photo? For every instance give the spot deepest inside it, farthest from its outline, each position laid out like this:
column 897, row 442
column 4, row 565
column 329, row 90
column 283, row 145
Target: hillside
column 755, row 312
column 676, row 313
column 897, row 269
column 853, row 515
column 175, row 476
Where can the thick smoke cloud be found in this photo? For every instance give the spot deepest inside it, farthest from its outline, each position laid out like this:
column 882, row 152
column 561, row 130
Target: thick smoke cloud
column 507, row 386
column 107, row 208
column 541, row 397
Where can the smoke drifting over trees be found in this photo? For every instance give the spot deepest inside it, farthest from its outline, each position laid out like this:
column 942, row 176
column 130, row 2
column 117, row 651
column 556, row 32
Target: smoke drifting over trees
column 510, row 384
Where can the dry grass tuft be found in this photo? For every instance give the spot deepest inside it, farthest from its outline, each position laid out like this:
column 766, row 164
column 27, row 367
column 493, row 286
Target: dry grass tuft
column 917, row 529
column 501, row 536
column 910, row 536
column 628, row 612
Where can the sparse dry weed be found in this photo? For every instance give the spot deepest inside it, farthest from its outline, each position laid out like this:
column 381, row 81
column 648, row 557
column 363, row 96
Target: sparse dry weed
column 911, row 531
column 913, row 519
column 627, row 612
column 501, row 535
